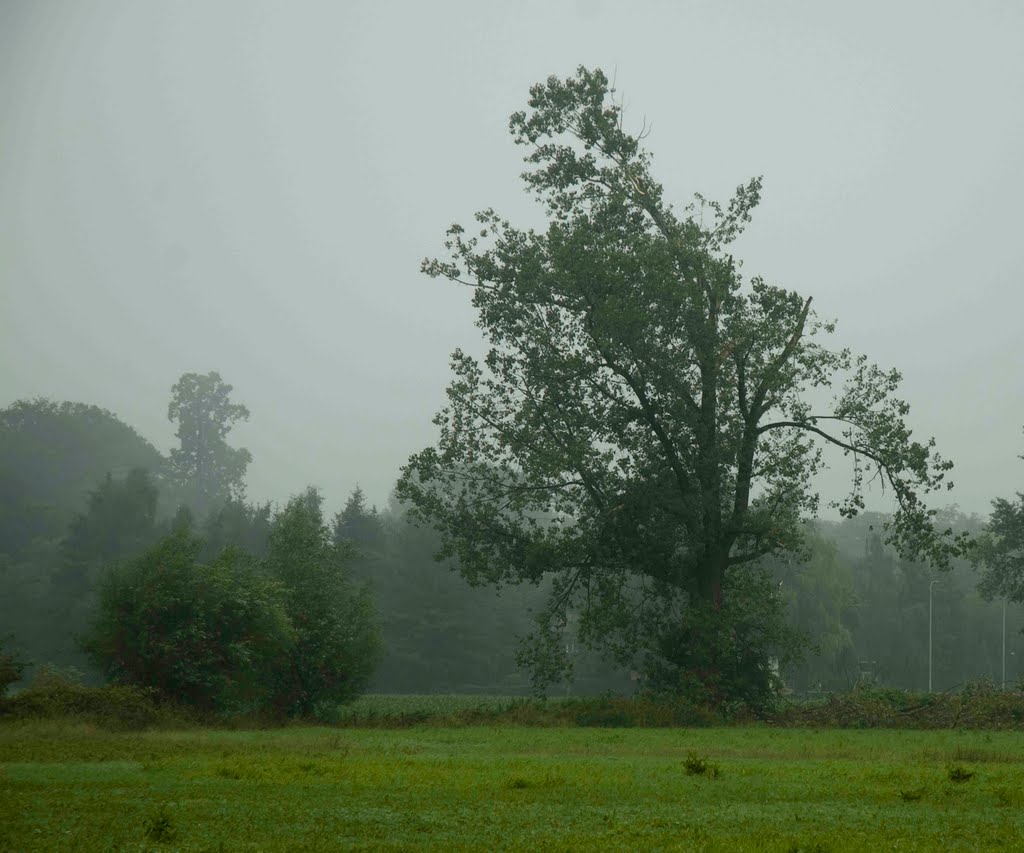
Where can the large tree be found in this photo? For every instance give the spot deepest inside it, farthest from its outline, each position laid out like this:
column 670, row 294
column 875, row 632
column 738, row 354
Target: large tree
column 359, row 524
column 337, row 642
column 645, row 425
column 206, row 469
column 51, row 456
column 1000, row 551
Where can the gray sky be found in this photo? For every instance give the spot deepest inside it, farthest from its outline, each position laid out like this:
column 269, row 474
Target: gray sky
column 250, row 187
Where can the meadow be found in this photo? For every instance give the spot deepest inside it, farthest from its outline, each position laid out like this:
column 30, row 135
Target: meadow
column 75, row 786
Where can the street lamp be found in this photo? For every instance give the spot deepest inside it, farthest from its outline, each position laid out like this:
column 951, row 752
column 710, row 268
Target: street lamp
column 1002, row 683
column 930, row 634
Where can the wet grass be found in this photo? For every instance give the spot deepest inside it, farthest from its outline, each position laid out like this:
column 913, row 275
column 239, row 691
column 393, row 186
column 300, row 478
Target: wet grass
column 77, row 787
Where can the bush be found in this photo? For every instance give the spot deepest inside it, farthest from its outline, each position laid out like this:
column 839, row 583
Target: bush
column 205, row 635
column 11, row 667
column 958, row 773
column 978, row 705
column 697, row 765
column 112, row 706
column 289, row 633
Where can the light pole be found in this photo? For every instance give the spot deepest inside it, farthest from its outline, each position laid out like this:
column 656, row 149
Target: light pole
column 1002, row 683
column 930, row 634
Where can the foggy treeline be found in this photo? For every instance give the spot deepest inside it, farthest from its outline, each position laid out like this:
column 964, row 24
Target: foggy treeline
column 80, row 490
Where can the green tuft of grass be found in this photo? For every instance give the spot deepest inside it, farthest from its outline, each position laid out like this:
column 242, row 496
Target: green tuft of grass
column 959, row 774
column 696, row 765
column 159, row 828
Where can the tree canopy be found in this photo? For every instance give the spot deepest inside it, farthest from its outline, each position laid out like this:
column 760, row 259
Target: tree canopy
column 206, row 469
column 52, row 455
column 288, row 631
column 1000, row 551
column 646, row 424
column 205, row 634
column 337, row 642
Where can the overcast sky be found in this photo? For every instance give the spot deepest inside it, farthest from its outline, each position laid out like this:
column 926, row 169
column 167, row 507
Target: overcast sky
column 250, row 187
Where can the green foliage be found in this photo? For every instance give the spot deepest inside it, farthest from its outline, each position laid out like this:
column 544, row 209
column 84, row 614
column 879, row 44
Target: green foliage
column 358, row 524
column 698, row 765
column 726, row 654
column 336, row 643
column 887, row 619
column 977, row 706
column 119, row 520
column 958, row 773
column 51, row 455
column 204, row 468
column 54, row 459
column 54, row 695
column 202, row 634
column 817, row 588
column 397, row 711
column 118, row 524
column 438, row 633
column 1000, row 552
column 159, row 827
column 638, row 430
column 11, row 666
column 240, row 525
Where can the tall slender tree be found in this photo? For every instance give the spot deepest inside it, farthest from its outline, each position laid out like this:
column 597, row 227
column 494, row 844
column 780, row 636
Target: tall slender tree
column 204, row 467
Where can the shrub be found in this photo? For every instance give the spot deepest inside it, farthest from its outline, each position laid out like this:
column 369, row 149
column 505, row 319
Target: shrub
column 696, row 765
column 959, row 773
column 11, row 667
column 204, row 635
column 112, row 706
column 158, row 827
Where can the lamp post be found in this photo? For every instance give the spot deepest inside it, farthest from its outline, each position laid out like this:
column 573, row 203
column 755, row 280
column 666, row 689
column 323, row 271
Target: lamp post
column 1002, row 682
column 930, row 634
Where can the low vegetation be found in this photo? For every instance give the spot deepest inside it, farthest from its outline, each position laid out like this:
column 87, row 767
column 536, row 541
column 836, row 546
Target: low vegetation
column 54, row 695
column 72, row 786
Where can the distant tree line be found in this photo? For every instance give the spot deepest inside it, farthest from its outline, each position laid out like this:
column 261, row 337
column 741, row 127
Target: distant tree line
column 865, row 612
column 116, row 560
column 136, row 567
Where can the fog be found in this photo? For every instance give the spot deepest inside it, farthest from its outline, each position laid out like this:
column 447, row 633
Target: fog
column 250, row 187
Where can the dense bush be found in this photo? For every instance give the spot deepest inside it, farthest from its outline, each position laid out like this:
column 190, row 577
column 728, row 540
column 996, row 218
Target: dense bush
column 11, row 667
column 289, row 632
column 206, row 635
column 57, row 693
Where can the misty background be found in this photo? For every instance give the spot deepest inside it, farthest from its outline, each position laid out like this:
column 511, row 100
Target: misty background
column 250, row 187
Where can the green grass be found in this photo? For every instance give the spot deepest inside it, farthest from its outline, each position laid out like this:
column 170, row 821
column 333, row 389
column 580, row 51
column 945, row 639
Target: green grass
column 385, row 707
column 76, row 787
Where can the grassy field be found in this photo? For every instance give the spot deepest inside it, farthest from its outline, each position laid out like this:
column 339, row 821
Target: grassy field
column 78, row 788
column 389, row 707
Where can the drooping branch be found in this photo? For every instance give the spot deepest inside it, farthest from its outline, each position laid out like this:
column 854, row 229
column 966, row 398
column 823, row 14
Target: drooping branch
column 807, row 427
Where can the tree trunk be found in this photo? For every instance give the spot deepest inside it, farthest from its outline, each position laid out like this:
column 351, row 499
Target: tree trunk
column 711, row 579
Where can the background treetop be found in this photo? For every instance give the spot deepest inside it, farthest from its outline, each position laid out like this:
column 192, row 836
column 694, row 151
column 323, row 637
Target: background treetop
column 204, row 467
